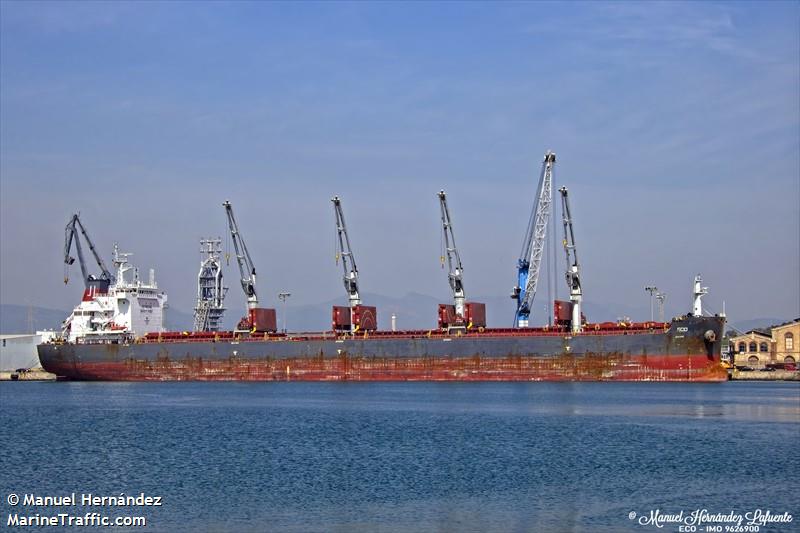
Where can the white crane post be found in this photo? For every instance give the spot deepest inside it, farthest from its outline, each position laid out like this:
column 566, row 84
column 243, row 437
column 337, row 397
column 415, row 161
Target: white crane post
column 573, row 274
column 346, row 253
column 454, row 267
column 247, row 270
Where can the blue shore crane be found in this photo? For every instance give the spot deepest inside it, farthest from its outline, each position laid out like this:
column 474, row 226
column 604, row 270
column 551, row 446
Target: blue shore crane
column 530, row 260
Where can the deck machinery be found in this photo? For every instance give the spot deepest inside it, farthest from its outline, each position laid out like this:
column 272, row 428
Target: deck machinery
column 355, row 316
column 460, row 315
column 530, row 259
column 94, row 284
column 258, row 319
column 569, row 313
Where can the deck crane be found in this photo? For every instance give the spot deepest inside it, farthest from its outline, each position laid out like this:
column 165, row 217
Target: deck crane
column 460, row 315
column 247, row 270
column 529, row 263
column 93, row 284
column 257, row 319
column 573, row 274
column 344, row 252
column 355, row 317
column 455, row 270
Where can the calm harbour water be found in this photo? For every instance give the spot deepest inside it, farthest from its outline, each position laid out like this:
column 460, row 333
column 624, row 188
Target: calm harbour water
column 406, row 457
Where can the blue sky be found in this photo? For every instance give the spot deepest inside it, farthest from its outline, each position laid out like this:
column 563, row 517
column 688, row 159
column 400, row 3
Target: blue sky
column 677, row 129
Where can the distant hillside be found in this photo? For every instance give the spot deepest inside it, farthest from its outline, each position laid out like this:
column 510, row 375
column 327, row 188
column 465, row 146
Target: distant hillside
column 177, row 320
column 24, row 319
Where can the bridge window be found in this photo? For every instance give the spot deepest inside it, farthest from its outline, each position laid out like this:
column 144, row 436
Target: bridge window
column 763, row 347
column 753, row 347
column 788, row 340
column 742, row 347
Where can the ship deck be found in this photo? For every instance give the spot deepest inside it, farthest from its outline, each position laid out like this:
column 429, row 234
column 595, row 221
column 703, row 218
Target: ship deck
column 636, row 328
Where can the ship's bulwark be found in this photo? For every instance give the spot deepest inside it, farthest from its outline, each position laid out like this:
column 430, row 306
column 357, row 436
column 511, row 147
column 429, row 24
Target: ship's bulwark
column 688, row 351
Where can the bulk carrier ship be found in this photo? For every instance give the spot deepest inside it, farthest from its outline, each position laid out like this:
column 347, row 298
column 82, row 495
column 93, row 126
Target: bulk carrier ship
column 116, row 333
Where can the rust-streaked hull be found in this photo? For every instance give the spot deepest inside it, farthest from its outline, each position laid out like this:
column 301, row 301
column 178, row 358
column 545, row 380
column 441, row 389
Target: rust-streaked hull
column 686, row 351
column 565, row 368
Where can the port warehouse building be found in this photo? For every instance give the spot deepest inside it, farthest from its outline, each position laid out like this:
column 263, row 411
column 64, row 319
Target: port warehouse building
column 19, row 351
column 759, row 348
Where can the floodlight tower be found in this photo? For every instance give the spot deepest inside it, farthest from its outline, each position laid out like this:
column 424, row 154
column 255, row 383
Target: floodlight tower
column 652, row 290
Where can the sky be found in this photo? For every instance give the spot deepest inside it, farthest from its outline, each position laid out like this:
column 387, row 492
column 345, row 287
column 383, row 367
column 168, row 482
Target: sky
column 676, row 128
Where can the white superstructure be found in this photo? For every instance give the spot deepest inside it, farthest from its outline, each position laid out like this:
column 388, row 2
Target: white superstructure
column 131, row 307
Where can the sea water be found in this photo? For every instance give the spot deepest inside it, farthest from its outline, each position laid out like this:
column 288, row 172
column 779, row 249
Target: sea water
column 402, row 456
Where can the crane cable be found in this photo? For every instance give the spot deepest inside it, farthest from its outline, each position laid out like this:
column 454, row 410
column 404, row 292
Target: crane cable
column 227, row 248
column 337, row 252
column 442, row 250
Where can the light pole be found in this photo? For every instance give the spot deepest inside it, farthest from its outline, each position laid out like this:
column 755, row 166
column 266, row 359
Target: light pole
column 661, row 296
column 282, row 297
column 652, row 291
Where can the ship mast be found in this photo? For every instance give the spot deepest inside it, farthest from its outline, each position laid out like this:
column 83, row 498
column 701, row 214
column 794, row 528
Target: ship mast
column 210, row 291
column 698, row 291
column 530, row 260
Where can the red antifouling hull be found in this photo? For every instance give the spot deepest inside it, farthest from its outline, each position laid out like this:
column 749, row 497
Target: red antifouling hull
column 344, row 368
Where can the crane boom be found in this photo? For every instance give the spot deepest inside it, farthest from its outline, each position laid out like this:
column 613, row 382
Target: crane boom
column 344, row 252
column 529, row 263
column 247, row 270
column 455, row 270
column 101, row 282
column 573, row 267
column 72, row 235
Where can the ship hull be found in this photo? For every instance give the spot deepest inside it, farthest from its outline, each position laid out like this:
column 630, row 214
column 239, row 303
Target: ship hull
column 688, row 350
